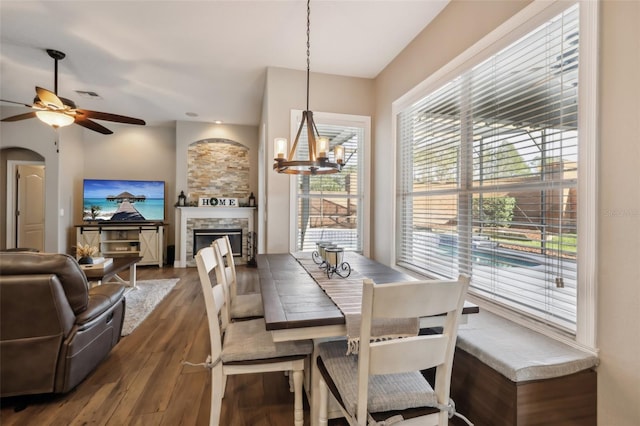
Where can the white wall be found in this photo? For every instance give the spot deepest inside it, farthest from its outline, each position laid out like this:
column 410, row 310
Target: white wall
column 71, row 154
column 619, row 215
column 459, row 26
column 286, row 90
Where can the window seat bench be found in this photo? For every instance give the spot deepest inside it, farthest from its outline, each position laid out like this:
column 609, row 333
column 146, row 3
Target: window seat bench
column 506, row 374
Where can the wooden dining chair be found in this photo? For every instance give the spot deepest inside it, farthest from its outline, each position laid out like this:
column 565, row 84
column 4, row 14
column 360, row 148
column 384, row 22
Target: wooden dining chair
column 241, row 306
column 384, row 381
column 244, row 347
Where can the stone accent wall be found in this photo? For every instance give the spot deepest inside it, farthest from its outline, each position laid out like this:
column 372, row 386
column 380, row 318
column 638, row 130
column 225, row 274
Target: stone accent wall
column 217, row 168
column 217, row 224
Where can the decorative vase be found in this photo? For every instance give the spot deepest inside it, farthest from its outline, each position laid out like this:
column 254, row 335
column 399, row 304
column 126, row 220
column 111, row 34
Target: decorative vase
column 85, row 260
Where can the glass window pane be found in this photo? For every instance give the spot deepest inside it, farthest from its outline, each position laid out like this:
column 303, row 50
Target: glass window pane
column 329, row 207
column 488, row 176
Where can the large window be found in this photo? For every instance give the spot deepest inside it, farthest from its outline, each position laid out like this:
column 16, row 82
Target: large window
column 488, row 175
column 333, row 207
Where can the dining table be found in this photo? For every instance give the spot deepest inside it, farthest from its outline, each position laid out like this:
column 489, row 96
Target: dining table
column 296, row 307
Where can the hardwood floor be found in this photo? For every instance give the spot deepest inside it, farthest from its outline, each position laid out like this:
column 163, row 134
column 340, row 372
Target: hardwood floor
column 143, row 381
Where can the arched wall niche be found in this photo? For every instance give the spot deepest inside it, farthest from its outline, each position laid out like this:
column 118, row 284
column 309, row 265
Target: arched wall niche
column 217, row 168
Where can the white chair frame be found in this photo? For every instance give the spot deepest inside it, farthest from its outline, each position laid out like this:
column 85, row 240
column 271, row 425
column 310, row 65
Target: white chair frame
column 216, row 307
column 406, row 300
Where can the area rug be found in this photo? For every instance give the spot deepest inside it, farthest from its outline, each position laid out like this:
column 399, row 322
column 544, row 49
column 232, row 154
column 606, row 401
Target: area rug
column 143, row 300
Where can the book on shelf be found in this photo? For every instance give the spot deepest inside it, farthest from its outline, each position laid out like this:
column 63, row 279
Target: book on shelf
column 98, row 263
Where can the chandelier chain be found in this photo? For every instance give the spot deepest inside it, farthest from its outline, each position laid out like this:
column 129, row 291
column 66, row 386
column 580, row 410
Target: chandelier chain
column 318, row 160
column 308, row 47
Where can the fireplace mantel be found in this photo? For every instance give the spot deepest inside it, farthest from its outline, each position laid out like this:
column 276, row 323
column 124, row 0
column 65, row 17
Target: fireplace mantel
column 183, row 214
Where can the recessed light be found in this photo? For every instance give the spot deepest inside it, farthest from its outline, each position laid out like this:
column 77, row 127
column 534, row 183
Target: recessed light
column 218, row 122
column 192, row 114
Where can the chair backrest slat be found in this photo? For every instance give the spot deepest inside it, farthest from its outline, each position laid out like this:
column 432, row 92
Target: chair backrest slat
column 416, row 353
column 223, row 245
column 415, row 299
column 222, row 276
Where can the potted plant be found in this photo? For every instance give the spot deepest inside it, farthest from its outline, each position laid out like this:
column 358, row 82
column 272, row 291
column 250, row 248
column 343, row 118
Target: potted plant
column 85, row 253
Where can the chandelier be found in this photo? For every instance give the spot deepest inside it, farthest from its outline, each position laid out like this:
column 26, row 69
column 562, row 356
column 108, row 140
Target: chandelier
column 318, row 162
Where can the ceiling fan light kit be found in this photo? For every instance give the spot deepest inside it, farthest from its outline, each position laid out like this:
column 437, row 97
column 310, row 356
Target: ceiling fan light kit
column 54, row 118
column 318, row 162
column 59, row 112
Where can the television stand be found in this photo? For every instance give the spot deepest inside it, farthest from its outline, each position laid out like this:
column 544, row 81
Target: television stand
column 125, row 240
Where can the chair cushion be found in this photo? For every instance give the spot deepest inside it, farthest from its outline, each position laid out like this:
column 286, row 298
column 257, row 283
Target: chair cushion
column 386, row 392
column 250, row 340
column 247, row 306
column 518, row 353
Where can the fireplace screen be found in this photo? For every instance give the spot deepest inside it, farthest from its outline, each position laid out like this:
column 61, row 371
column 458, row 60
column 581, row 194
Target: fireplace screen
column 204, row 237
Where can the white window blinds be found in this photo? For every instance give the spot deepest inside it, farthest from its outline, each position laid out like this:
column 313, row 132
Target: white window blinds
column 488, row 176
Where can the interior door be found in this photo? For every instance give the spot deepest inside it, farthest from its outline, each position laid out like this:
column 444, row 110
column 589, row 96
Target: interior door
column 30, row 203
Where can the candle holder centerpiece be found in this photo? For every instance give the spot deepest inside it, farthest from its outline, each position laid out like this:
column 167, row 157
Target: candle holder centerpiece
column 318, row 254
column 334, row 262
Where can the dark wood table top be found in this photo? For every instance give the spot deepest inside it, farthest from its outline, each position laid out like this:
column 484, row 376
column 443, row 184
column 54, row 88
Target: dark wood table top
column 105, row 274
column 293, row 299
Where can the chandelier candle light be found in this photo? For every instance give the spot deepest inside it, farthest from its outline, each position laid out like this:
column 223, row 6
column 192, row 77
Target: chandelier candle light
column 318, row 162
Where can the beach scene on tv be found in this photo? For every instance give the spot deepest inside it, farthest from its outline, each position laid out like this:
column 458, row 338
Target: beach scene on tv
column 123, row 200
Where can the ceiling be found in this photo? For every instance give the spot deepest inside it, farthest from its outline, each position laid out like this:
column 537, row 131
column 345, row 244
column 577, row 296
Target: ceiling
column 159, row 60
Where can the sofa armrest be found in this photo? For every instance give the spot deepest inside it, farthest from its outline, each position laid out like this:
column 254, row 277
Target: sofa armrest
column 101, row 299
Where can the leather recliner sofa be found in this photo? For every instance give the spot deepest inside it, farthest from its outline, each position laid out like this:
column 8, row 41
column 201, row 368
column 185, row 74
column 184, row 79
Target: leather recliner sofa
column 54, row 328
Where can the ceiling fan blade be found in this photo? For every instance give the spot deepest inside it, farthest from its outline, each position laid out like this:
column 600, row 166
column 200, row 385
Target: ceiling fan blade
column 92, row 125
column 19, row 117
column 49, row 98
column 109, row 117
column 17, row 103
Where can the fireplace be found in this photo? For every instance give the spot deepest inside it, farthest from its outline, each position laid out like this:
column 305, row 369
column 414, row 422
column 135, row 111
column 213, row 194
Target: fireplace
column 204, row 238
column 210, row 218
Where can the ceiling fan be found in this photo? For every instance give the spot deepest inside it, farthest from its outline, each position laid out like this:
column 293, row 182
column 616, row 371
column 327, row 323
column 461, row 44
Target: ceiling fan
column 57, row 111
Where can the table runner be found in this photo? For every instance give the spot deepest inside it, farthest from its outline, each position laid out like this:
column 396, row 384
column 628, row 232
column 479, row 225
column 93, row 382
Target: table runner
column 346, row 293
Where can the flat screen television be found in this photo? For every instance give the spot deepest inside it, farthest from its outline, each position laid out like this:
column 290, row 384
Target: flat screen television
column 123, row 200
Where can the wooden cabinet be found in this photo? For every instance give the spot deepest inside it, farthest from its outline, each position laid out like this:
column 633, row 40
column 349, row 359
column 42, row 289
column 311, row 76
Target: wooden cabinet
column 125, row 240
column 148, row 243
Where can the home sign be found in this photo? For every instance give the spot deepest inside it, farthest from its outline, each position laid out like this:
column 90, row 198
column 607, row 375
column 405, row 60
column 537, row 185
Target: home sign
column 217, row 202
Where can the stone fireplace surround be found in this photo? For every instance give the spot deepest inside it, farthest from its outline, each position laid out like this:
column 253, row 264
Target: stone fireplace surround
column 190, row 218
